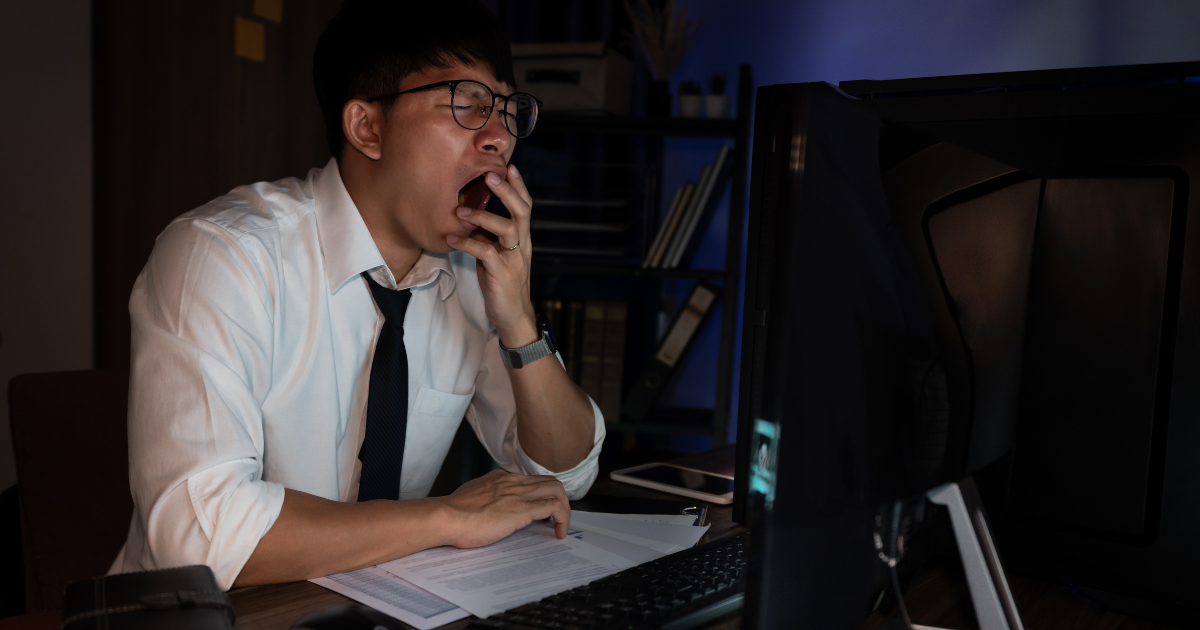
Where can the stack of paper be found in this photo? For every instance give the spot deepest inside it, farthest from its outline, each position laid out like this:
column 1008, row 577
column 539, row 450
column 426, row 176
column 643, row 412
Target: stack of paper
column 437, row 586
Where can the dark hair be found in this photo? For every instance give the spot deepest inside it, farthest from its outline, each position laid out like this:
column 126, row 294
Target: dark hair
column 371, row 45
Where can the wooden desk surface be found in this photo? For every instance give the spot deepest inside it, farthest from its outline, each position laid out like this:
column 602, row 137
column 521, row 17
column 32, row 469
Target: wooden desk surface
column 278, row 606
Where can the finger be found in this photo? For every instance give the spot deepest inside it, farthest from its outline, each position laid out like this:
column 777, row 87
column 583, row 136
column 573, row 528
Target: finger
column 561, row 515
column 551, row 489
column 517, row 205
column 485, row 252
column 494, row 223
column 518, row 183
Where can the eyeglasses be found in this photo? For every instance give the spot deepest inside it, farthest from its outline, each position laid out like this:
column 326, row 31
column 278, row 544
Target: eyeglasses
column 472, row 103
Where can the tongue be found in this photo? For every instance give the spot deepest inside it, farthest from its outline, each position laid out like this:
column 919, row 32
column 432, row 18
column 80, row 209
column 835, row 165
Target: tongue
column 475, row 194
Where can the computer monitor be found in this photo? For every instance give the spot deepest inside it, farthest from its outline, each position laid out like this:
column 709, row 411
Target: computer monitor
column 973, row 276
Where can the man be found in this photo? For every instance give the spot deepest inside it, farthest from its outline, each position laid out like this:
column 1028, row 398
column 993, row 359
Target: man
column 282, row 424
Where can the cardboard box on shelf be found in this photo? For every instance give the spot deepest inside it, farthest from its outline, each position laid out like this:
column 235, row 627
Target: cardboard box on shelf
column 574, row 76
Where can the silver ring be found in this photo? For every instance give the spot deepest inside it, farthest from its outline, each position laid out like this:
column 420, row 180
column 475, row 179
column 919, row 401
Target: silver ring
column 509, row 249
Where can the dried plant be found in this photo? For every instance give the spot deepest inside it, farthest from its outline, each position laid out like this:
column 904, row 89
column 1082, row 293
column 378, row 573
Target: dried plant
column 664, row 36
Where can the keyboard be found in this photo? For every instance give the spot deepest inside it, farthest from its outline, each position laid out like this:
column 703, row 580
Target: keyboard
column 675, row 592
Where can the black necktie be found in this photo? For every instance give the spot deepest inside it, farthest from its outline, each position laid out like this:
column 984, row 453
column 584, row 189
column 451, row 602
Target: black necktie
column 382, row 452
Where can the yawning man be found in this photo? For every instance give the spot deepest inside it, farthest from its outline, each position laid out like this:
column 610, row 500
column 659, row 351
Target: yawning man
column 305, row 350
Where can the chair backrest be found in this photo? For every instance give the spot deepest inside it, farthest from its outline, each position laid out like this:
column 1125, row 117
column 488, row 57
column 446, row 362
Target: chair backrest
column 69, row 437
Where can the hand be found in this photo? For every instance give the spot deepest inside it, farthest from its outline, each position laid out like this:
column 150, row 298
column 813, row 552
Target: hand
column 504, row 273
column 499, row 503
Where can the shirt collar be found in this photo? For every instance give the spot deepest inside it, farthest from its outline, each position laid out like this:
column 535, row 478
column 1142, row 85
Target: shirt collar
column 429, row 268
column 347, row 248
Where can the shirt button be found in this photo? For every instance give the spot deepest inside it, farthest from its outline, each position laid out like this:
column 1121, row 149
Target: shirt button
column 435, row 403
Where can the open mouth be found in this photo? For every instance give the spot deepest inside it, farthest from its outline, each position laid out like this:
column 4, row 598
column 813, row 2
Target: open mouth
column 475, row 195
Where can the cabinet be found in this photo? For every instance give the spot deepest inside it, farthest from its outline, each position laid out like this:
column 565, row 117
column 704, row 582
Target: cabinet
column 604, row 175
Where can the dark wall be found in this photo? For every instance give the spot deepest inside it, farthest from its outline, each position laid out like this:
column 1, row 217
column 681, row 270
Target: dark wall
column 46, row 176
column 180, row 119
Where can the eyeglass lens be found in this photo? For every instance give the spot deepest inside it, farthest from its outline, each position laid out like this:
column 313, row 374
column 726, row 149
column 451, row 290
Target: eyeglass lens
column 472, row 104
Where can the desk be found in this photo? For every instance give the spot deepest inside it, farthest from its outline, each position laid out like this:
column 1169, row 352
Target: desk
column 937, row 596
column 278, row 606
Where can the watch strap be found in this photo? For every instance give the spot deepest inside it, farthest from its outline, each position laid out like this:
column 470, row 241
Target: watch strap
column 517, row 358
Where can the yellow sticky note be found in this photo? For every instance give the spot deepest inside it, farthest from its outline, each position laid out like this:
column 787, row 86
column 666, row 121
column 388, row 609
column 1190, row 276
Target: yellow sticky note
column 269, row 10
column 249, row 39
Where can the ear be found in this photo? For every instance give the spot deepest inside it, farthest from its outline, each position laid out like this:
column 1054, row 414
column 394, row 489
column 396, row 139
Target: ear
column 362, row 124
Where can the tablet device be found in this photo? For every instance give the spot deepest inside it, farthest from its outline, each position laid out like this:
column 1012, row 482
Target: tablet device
column 687, row 482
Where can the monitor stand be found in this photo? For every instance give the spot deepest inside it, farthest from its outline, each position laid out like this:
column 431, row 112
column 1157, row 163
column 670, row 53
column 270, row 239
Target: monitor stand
column 994, row 604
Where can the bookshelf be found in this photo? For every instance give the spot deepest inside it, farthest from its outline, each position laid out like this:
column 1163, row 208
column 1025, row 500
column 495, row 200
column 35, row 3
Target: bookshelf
column 621, row 157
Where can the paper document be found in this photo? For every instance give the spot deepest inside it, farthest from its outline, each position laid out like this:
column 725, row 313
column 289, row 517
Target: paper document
column 634, row 552
column 395, row 596
column 530, row 564
column 438, row 586
column 663, row 537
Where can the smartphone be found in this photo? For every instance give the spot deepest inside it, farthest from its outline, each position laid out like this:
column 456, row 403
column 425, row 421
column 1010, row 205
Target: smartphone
column 696, row 484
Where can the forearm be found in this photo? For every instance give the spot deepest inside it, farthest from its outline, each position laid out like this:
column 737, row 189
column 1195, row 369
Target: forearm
column 313, row 537
column 555, row 421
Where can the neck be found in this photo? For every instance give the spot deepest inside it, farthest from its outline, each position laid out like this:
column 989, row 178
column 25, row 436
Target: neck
column 376, row 202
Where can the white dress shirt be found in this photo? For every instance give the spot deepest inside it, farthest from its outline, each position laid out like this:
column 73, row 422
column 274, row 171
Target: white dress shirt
column 253, row 334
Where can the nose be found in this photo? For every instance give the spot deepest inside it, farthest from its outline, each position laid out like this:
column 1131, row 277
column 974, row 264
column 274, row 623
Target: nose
column 493, row 137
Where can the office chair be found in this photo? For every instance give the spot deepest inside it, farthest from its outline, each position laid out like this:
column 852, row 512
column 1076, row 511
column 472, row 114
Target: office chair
column 69, row 438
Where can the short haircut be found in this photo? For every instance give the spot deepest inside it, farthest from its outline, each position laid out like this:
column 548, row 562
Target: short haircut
column 371, row 45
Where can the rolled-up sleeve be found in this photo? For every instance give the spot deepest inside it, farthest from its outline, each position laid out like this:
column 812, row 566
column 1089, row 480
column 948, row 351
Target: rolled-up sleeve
column 493, row 416
column 200, row 370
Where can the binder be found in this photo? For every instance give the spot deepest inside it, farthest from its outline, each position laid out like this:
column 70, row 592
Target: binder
column 675, row 344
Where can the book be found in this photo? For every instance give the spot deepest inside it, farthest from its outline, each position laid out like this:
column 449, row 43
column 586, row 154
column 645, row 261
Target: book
column 591, row 368
column 672, row 224
column 658, row 237
column 644, row 392
column 669, row 246
column 613, row 362
column 703, row 207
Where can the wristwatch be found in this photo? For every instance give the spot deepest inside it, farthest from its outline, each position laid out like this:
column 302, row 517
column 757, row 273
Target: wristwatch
column 517, row 358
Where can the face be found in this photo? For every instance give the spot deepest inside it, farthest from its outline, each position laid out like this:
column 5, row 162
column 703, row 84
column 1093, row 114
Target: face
column 428, row 158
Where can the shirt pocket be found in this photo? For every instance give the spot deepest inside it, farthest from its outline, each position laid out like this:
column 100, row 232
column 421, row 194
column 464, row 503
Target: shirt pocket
column 434, row 420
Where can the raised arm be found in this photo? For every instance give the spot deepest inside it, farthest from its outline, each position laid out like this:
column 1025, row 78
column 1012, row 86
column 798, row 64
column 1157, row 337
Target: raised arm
column 555, row 419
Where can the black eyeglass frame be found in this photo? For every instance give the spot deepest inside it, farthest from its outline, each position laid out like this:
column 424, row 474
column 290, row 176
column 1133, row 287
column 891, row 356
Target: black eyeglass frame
column 453, row 85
